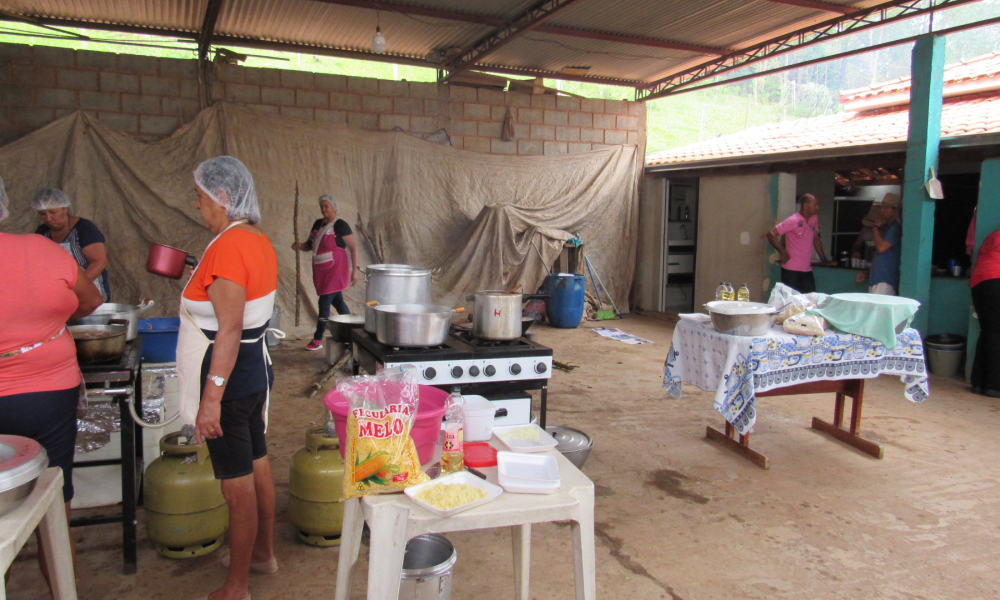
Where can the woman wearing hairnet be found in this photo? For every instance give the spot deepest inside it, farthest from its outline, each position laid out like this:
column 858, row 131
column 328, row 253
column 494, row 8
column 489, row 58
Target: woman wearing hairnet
column 42, row 287
column 330, row 240
column 223, row 366
column 79, row 236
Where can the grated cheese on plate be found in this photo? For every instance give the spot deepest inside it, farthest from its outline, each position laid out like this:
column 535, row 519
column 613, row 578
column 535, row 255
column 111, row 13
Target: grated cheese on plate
column 521, row 433
column 445, row 496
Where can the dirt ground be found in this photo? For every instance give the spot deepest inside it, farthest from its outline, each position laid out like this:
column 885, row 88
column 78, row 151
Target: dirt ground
column 676, row 516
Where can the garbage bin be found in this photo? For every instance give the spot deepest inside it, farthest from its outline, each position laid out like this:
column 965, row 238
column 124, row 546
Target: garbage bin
column 944, row 353
column 427, row 568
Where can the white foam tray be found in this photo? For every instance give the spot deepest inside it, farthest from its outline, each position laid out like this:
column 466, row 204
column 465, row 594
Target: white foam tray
column 540, row 443
column 492, row 492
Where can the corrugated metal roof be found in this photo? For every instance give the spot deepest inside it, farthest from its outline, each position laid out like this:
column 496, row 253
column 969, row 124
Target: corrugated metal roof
column 348, row 25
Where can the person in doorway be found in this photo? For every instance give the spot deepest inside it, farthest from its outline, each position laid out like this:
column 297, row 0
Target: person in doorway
column 42, row 287
column 330, row 241
column 887, row 233
column 864, row 245
column 985, row 284
column 795, row 238
column 79, row 236
column 223, row 365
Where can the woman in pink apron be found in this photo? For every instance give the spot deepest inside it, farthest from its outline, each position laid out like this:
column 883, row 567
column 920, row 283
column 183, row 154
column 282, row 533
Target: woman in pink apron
column 330, row 240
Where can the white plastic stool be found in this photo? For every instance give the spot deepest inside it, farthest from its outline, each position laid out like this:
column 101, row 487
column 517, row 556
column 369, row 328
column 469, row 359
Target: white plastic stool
column 394, row 519
column 43, row 509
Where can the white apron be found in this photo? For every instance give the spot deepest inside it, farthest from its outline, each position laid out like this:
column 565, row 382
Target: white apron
column 192, row 344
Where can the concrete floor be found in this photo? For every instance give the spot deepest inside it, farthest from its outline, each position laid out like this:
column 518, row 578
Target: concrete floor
column 677, row 516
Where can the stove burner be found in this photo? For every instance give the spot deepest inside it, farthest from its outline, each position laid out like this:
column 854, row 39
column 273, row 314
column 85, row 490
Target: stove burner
column 466, row 336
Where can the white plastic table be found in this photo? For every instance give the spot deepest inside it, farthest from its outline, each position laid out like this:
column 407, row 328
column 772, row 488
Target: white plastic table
column 394, row 519
column 43, row 509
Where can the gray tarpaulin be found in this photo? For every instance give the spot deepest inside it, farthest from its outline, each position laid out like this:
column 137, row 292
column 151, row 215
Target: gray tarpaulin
column 471, row 215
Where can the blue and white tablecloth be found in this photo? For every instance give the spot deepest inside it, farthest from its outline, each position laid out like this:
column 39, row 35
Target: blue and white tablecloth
column 738, row 367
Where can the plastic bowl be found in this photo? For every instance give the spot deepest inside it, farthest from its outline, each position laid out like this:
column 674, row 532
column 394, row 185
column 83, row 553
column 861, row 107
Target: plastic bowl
column 425, row 431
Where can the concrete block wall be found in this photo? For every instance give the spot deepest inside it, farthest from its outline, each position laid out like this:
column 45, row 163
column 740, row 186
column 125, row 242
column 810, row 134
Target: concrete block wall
column 151, row 98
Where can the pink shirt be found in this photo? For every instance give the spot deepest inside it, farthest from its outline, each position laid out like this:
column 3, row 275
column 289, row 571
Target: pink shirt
column 799, row 235
column 36, row 300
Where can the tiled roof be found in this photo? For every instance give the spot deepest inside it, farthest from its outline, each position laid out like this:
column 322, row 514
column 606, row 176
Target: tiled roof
column 969, row 70
column 964, row 115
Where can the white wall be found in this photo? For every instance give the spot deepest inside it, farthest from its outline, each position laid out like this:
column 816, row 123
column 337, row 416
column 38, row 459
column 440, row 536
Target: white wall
column 734, row 217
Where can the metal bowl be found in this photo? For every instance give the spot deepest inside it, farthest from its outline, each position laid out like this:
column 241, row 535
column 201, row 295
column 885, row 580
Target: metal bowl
column 22, row 460
column 574, row 444
column 741, row 318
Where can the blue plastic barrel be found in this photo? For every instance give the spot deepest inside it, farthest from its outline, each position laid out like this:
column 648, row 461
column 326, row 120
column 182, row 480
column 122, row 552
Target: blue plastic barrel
column 159, row 339
column 564, row 307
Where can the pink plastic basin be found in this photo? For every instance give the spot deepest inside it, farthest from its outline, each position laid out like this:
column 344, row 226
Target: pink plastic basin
column 425, row 431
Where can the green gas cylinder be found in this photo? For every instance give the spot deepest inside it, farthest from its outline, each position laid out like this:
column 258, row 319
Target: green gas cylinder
column 186, row 514
column 316, row 487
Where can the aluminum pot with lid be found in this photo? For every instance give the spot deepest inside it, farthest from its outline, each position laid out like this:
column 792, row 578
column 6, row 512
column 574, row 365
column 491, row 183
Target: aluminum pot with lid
column 109, row 311
column 496, row 314
column 395, row 284
column 22, row 460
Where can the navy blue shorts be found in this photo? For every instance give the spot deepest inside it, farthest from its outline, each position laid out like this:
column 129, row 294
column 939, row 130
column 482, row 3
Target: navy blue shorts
column 242, row 440
column 49, row 418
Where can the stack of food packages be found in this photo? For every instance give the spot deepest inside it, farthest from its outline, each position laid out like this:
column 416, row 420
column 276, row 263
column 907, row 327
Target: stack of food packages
column 792, row 311
column 380, row 454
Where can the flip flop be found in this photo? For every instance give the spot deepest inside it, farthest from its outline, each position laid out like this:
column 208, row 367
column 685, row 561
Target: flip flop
column 268, row 567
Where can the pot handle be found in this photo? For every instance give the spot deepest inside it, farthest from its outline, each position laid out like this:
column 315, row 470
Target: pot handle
column 146, row 304
column 470, row 298
column 365, row 273
column 459, row 309
column 372, row 303
column 191, row 261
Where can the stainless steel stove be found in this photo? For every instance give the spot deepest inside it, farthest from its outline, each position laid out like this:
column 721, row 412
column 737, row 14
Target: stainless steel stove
column 499, row 371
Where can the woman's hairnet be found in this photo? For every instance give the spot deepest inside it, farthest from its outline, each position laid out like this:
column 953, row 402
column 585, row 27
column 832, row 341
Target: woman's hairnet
column 4, row 213
column 228, row 181
column 329, row 198
column 50, row 198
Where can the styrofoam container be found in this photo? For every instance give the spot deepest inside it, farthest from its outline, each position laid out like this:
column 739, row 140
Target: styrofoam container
column 492, row 492
column 479, row 413
column 528, row 473
column 516, row 439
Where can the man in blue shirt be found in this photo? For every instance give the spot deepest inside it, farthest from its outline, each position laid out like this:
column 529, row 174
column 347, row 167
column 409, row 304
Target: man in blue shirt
column 888, row 235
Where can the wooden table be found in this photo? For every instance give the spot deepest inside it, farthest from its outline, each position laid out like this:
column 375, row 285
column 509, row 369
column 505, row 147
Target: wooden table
column 846, row 388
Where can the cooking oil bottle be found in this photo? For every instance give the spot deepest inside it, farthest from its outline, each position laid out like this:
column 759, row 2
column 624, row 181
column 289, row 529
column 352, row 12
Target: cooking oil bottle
column 744, row 294
column 720, row 292
column 452, row 454
column 729, row 293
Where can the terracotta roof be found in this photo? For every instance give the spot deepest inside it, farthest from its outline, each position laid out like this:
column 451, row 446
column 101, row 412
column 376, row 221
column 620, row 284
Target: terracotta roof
column 969, row 70
column 960, row 116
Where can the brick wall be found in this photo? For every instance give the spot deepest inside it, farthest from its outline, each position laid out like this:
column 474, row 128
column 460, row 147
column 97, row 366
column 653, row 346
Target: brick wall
column 152, row 97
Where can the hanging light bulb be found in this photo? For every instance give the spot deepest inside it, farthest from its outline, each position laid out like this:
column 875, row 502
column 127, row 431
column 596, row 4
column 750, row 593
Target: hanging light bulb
column 378, row 42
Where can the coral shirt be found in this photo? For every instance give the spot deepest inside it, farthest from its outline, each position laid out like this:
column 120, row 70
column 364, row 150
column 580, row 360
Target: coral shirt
column 799, row 235
column 987, row 260
column 36, row 300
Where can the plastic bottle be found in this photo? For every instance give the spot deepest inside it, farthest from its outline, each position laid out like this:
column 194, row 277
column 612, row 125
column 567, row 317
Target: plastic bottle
column 744, row 294
column 452, row 454
column 730, row 293
column 720, row 292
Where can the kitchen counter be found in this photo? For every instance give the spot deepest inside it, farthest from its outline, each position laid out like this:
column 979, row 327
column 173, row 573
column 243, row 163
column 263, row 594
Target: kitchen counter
column 818, row 266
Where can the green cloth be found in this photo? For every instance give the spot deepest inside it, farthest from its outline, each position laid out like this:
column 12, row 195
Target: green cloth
column 871, row 315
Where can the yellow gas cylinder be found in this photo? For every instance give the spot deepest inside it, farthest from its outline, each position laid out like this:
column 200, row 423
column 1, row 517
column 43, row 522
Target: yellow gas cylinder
column 316, row 486
column 186, row 515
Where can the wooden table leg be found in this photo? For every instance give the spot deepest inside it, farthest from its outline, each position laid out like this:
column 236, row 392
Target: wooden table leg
column 741, row 447
column 854, row 388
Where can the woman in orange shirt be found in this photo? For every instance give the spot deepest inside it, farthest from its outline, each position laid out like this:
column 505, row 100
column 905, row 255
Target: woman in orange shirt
column 42, row 287
column 222, row 362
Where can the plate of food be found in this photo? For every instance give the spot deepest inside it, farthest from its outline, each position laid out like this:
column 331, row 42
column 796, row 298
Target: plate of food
column 454, row 493
column 525, row 438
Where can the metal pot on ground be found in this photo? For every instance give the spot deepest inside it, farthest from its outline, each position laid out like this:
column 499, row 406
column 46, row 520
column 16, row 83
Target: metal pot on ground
column 496, row 315
column 109, row 311
column 413, row 325
column 99, row 343
column 395, row 284
column 341, row 326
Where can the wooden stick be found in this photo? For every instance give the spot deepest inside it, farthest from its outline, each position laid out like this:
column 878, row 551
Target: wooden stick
column 298, row 262
column 330, row 372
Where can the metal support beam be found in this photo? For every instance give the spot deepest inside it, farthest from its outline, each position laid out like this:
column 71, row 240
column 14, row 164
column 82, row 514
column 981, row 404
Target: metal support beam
column 861, row 20
column 840, row 9
column 208, row 28
column 922, row 147
column 631, row 83
column 433, row 13
column 534, row 16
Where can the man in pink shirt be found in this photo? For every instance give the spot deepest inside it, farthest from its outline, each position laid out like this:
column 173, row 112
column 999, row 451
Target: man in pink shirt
column 801, row 236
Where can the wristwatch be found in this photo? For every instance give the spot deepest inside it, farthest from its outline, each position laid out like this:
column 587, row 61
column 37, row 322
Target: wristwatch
column 218, row 381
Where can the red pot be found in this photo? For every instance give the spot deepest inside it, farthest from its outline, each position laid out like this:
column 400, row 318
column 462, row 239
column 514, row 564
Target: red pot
column 167, row 261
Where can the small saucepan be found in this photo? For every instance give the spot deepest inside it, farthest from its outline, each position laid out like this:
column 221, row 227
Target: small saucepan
column 168, row 262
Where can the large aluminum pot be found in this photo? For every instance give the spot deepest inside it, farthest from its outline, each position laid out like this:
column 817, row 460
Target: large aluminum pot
column 413, row 325
column 126, row 312
column 99, row 343
column 741, row 318
column 395, row 284
column 496, row 315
